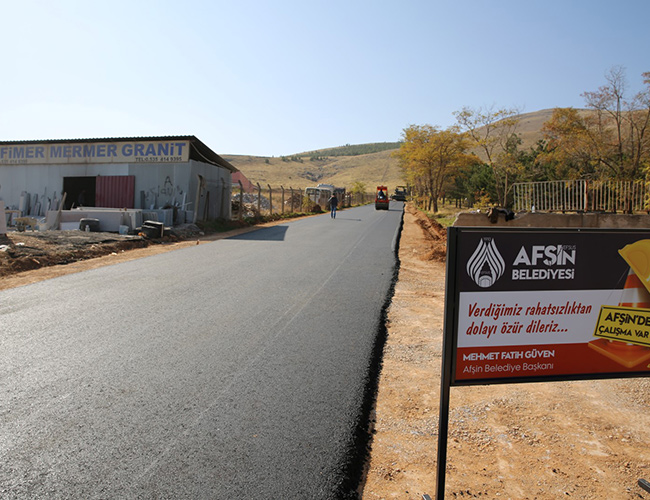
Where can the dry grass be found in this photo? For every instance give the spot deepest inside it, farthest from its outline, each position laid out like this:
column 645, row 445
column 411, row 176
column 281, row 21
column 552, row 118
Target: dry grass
column 371, row 169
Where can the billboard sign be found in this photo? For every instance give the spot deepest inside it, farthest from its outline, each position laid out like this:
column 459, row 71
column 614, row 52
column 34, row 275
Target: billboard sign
column 95, row 152
column 546, row 304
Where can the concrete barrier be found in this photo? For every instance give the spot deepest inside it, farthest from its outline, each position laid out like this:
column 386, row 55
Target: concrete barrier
column 110, row 220
column 542, row 219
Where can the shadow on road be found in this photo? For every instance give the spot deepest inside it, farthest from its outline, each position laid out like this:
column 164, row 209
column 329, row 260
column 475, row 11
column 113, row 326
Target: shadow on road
column 275, row 233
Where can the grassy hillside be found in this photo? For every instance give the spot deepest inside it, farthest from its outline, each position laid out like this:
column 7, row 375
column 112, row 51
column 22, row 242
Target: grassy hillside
column 302, row 171
column 372, row 164
column 530, row 125
column 354, row 150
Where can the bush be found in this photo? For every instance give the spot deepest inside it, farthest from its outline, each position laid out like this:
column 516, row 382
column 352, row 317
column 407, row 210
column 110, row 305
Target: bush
column 310, row 207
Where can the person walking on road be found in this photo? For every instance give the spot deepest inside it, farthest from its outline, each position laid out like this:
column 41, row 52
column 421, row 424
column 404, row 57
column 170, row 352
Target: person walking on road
column 334, row 202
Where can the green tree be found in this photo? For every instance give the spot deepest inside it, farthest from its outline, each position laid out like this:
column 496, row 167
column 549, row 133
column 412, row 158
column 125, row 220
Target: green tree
column 472, row 183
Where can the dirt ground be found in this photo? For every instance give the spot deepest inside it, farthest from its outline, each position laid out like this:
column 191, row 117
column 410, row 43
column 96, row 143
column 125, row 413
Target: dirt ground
column 30, row 256
column 585, row 440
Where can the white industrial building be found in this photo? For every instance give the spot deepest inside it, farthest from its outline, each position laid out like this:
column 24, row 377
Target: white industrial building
column 176, row 176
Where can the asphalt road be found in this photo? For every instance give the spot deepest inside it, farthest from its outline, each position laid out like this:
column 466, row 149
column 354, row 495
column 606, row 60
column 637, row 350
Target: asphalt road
column 235, row 369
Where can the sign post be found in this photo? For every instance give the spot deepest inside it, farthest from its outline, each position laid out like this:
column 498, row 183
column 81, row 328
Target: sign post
column 536, row 305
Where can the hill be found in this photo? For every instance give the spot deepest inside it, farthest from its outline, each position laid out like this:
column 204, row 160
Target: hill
column 354, row 150
column 308, row 169
column 530, row 126
column 372, row 164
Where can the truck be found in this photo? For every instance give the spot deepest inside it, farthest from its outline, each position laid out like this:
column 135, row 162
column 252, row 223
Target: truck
column 400, row 193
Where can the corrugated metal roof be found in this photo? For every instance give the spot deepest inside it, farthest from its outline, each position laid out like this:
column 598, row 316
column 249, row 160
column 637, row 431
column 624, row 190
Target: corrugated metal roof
column 198, row 151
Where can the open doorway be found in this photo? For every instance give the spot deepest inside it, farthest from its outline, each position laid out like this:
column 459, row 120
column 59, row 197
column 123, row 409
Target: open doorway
column 80, row 192
column 108, row 191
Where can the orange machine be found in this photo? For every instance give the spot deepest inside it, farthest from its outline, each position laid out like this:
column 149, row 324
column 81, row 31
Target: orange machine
column 381, row 198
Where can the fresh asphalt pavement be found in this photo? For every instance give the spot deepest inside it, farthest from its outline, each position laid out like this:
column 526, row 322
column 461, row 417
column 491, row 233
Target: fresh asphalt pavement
column 235, row 369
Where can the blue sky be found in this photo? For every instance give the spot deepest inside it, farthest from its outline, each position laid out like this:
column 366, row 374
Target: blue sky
column 273, row 78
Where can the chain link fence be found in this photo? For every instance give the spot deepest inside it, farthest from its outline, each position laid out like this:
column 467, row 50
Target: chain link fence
column 257, row 201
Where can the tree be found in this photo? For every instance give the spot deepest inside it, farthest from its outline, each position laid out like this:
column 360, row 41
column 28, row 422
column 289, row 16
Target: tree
column 491, row 132
column 358, row 187
column 568, row 150
column 429, row 157
column 609, row 140
column 618, row 127
column 473, row 184
column 358, row 191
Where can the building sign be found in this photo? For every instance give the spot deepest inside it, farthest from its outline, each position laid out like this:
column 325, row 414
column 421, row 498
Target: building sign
column 95, row 152
column 547, row 304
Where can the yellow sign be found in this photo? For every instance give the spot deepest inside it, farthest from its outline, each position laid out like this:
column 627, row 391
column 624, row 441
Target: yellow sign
column 627, row 324
column 637, row 255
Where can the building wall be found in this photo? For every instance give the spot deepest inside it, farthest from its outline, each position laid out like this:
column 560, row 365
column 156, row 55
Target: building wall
column 156, row 184
column 178, row 184
column 46, row 180
column 216, row 191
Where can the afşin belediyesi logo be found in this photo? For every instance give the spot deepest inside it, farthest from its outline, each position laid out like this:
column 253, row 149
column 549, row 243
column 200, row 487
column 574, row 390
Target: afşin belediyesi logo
column 486, row 265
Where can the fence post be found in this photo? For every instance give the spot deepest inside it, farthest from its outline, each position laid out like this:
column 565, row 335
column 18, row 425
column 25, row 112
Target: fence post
column 291, row 191
column 282, row 188
column 270, row 199
column 241, row 200
column 259, row 199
